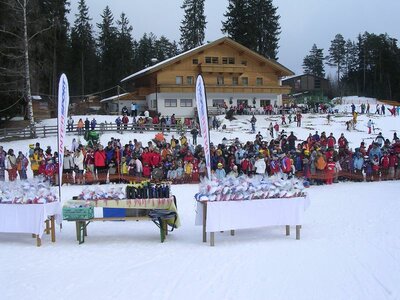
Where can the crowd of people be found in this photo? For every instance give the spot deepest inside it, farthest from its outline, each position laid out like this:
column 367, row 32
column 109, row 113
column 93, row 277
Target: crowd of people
column 320, row 158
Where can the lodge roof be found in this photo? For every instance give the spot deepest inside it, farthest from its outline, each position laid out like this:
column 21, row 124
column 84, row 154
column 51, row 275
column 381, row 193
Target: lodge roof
column 271, row 62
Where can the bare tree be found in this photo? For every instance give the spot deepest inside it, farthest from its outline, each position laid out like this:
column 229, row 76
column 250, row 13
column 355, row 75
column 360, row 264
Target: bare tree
column 17, row 49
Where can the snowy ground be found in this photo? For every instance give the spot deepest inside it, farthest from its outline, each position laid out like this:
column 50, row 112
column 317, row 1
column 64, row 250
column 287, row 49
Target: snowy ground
column 349, row 248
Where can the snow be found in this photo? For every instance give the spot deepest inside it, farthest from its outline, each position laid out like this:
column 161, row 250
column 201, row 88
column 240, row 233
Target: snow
column 349, row 247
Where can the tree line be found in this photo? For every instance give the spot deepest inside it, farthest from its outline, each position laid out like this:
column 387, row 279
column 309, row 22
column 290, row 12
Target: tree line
column 37, row 44
column 368, row 66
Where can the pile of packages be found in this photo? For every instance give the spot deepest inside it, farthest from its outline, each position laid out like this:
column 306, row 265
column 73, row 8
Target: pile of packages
column 32, row 191
column 250, row 188
column 102, row 193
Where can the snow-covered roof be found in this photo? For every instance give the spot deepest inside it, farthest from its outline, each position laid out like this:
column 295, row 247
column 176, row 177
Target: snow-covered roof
column 113, row 97
column 157, row 66
column 300, row 75
column 161, row 63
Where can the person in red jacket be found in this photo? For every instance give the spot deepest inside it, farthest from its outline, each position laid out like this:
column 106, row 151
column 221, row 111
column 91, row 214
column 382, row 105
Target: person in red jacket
column 146, row 170
column 286, row 164
column 125, row 121
column 331, row 141
column 246, row 166
column 42, row 168
column 274, row 165
column 330, row 171
column 385, row 166
column 155, row 159
column 100, row 164
column 146, row 156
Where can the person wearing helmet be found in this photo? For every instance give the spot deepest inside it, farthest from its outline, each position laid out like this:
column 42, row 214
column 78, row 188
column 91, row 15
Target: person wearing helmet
column 220, row 172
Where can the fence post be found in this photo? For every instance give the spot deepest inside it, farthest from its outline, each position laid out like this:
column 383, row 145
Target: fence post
column 44, row 131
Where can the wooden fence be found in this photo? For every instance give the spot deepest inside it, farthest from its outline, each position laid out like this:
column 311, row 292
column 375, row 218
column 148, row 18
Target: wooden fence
column 45, row 131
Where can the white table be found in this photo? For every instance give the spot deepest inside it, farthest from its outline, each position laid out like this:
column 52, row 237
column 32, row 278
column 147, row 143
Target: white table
column 30, row 218
column 231, row 215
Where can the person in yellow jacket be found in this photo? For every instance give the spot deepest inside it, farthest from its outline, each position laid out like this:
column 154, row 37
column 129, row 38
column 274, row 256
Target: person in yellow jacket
column 183, row 139
column 320, row 165
column 188, row 169
column 35, row 161
column 124, row 166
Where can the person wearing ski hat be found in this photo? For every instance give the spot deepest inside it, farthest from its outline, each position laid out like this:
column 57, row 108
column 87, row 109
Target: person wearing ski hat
column 220, row 172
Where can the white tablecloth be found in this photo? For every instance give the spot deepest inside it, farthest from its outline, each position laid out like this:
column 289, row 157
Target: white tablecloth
column 230, row 215
column 27, row 218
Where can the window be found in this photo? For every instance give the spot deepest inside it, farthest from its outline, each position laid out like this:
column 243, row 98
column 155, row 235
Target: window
column 317, row 83
column 212, row 60
column 178, row 80
column 244, row 62
column 259, row 81
column 170, row 102
column 195, row 61
column 235, row 80
column 218, row 102
column 153, row 103
column 220, row 80
column 186, row 102
column 228, row 60
column 265, row 102
column 189, row 80
column 245, row 81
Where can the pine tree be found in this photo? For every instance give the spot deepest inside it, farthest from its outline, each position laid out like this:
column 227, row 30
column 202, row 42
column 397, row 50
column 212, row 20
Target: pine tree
column 145, row 51
column 238, row 24
column 107, row 53
column 254, row 24
column 164, row 49
column 83, row 53
column 124, row 47
column 56, row 43
column 314, row 62
column 193, row 25
column 351, row 56
column 337, row 55
column 266, row 28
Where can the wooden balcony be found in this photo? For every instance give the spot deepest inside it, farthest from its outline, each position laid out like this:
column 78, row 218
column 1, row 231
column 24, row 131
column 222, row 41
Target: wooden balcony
column 231, row 69
column 170, row 88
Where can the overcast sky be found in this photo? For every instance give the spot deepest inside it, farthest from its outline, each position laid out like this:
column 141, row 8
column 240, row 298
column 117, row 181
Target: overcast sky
column 303, row 22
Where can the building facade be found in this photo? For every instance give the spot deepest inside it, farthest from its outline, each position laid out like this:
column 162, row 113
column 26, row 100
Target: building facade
column 233, row 74
column 307, row 88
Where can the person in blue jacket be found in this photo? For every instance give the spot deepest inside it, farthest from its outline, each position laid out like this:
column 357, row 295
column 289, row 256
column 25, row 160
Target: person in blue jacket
column 375, row 150
column 358, row 164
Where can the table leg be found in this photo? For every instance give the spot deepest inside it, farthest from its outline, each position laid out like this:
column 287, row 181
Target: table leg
column 287, row 230
column 212, row 239
column 204, row 204
column 298, row 232
column 77, row 230
column 47, row 226
column 53, row 229
column 162, row 230
column 38, row 241
column 232, row 232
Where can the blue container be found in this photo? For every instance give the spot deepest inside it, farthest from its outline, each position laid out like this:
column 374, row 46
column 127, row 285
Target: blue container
column 114, row 212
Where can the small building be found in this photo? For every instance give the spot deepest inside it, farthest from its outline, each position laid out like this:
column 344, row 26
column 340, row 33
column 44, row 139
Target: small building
column 114, row 104
column 233, row 75
column 43, row 107
column 306, row 88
